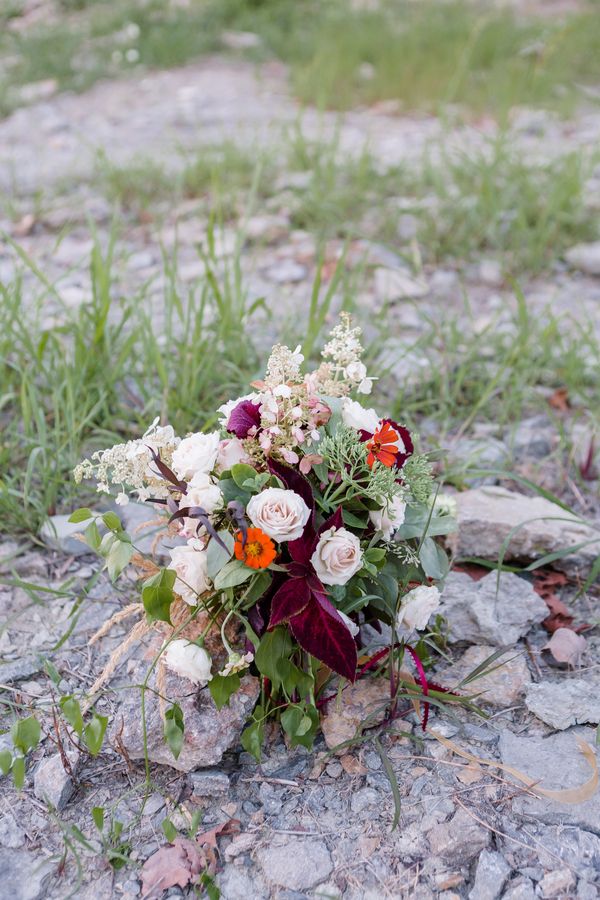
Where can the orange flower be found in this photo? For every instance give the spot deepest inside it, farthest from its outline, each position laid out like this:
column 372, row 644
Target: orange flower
column 259, row 550
column 383, row 446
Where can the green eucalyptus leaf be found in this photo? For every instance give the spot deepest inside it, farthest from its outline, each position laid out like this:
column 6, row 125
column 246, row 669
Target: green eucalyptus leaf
column 274, row 646
column 241, row 472
column 232, row 574
column 157, row 595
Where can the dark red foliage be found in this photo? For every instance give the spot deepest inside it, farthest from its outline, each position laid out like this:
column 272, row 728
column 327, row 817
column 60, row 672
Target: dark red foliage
column 243, row 418
column 321, row 631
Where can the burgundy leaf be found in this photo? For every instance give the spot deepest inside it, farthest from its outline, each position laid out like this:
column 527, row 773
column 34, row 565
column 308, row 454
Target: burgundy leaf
column 290, row 600
column 243, row 418
column 334, row 521
column 294, row 481
column 321, row 632
column 424, row 684
column 167, row 473
column 406, row 440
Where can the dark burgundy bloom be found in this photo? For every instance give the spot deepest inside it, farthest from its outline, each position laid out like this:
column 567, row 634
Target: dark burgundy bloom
column 302, row 601
column 243, row 418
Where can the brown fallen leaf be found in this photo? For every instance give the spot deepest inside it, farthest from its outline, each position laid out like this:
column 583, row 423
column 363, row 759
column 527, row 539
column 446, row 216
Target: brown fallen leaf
column 361, row 704
column 566, row 646
column 545, row 584
column 560, row 399
column 179, row 864
column 473, row 570
column 174, row 865
column 352, row 766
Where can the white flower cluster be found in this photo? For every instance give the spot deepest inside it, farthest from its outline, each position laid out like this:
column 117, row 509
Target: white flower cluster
column 284, row 365
column 130, row 465
column 342, row 354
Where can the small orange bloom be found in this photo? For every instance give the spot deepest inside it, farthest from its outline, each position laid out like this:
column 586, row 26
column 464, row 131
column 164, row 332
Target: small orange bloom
column 383, row 446
column 259, row 550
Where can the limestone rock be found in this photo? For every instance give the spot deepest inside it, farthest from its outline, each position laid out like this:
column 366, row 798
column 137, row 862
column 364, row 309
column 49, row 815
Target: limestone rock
column 585, row 257
column 490, row 876
column 208, row 732
column 557, row 762
column 488, row 611
column 396, row 284
column 60, row 534
column 502, row 687
column 365, row 700
column 297, row 865
column 558, row 883
column 458, row 840
column 52, row 783
column 210, row 783
column 488, row 515
column 23, row 876
column 562, row 704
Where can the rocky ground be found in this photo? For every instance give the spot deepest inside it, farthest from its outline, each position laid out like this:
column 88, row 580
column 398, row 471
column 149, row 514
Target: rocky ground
column 310, row 824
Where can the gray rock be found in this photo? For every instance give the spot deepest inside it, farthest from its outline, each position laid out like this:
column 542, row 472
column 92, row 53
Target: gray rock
column 502, row 687
column 211, row 783
column 286, row 271
column 60, row 534
column 490, row 272
column 562, row 704
column 557, row 762
column 20, row 668
column 488, row 610
column 297, row 865
column 235, row 884
column 268, row 228
column 585, row 257
column 459, row 840
column 586, row 891
column 23, row 876
column 488, row 516
column 533, row 437
column 51, row 783
column 557, row 883
column 140, row 521
column 490, row 876
column 478, row 453
column 11, row 834
column 519, row 889
column 208, row 732
column 396, row 284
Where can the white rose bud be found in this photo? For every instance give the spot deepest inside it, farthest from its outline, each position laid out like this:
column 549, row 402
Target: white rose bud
column 337, row 557
column 417, row 608
column 388, row 519
column 189, row 562
column 202, row 491
column 197, row 453
column 354, row 415
column 279, row 513
column 188, row 660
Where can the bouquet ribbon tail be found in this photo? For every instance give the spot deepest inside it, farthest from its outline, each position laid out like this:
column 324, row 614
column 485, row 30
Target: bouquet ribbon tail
column 567, row 795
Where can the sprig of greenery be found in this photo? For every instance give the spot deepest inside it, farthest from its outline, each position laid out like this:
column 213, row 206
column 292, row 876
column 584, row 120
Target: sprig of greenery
column 345, row 454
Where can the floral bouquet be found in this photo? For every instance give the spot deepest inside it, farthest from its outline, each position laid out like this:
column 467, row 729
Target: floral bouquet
column 302, row 520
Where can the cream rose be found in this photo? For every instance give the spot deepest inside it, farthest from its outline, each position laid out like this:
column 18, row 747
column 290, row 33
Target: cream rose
column 189, row 563
column 337, row 557
column 204, row 492
column 417, row 608
column 279, row 513
column 388, row 519
column 230, row 453
column 354, row 415
column 196, row 453
column 188, row 660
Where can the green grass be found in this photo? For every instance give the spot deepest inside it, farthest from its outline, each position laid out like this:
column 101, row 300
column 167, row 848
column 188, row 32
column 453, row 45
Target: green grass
column 424, row 55
column 491, row 202
column 110, row 367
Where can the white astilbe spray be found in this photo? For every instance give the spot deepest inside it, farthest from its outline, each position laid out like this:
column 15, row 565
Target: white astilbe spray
column 129, row 465
column 284, row 365
column 343, row 371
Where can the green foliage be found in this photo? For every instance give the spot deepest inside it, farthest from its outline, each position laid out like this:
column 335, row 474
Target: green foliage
column 157, row 595
column 174, row 728
column 346, row 454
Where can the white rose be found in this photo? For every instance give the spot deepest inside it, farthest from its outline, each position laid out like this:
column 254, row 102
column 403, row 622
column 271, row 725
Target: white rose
column 349, row 623
column 417, row 607
column 231, row 452
column 388, row 519
column 197, row 453
column 202, row 491
column 356, row 416
column 279, row 513
column 189, row 562
column 445, row 505
column 188, row 660
column 337, row 557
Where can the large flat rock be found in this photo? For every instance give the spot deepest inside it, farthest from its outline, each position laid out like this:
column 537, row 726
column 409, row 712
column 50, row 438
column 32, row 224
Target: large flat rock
column 533, row 526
